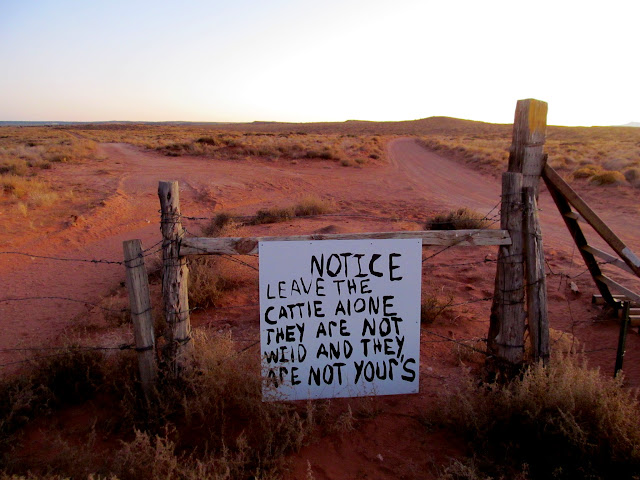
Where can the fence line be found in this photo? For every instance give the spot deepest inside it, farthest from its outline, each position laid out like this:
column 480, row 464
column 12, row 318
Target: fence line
column 66, row 350
column 147, row 252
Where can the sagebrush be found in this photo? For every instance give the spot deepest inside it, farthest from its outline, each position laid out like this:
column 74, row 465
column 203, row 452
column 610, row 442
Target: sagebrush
column 565, row 421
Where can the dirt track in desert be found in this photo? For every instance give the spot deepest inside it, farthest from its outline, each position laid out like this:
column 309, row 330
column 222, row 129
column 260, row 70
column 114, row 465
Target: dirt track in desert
column 412, row 186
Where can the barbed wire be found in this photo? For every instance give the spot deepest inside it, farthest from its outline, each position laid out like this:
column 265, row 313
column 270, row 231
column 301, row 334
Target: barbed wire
column 146, row 252
column 67, row 350
column 158, row 246
column 466, row 264
column 460, row 342
column 123, row 346
column 95, row 261
column 67, row 299
column 238, row 261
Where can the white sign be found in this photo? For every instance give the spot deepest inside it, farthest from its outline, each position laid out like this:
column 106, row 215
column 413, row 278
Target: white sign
column 340, row 318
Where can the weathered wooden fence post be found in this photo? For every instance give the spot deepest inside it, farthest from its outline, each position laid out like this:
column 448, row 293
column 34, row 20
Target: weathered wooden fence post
column 536, row 279
column 526, row 255
column 140, row 301
column 526, row 155
column 174, row 277
column 506, row 323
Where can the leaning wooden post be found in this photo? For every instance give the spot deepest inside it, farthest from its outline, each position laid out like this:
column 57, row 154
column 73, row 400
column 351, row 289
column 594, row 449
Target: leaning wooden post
column 506, row 323
column 174, row 277
column 527, row 147
column 140, row 301
column 622, row 339
column 537, row 311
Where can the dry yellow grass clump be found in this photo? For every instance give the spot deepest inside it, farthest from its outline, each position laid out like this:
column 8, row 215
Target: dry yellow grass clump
column 565, row 421
column 459, row 219
column 210, row 423
column 25, row 147
column 580, row 152
column 354, row 143
column 349, row 149
column 24, row 153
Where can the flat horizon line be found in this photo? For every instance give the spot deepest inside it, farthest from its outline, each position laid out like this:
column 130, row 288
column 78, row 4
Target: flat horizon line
column 266, row 122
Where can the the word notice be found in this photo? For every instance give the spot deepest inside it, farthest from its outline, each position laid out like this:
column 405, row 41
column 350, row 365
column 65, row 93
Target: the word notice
column 340, row 318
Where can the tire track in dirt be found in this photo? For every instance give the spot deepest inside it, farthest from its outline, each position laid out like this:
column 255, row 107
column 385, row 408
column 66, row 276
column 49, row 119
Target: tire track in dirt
column 129, row 178
column 453, row 185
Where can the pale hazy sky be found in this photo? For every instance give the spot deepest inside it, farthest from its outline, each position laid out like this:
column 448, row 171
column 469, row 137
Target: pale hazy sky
column 329, row 60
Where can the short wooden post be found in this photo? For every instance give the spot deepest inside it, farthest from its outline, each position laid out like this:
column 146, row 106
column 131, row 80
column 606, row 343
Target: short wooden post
column 527, row 147
column 174, row 277
column 140, row 301
column 506, row 323
column 536, row 279
column 622, row 339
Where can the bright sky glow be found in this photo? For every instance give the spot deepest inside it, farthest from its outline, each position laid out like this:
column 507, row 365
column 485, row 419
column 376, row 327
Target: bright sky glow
column 330, row 60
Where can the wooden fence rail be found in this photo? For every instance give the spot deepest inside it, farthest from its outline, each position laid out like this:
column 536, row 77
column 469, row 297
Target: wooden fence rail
column 556, row 182
column 249, row 245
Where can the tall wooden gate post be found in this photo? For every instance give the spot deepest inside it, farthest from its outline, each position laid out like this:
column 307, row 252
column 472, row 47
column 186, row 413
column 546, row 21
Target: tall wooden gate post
column 506, row 323
column 525, row 255
column 174, row 277
column 526, row 155
column 140, row 301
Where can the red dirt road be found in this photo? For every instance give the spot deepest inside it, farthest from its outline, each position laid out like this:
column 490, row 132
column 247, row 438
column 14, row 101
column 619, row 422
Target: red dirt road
column 413, row 185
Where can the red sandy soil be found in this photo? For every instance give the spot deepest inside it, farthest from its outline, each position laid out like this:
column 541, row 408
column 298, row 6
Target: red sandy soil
column 390, row 441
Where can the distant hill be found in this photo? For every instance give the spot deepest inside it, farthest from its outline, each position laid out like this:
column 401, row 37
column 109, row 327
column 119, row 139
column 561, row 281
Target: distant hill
column 431, row 125
column 423, row 126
